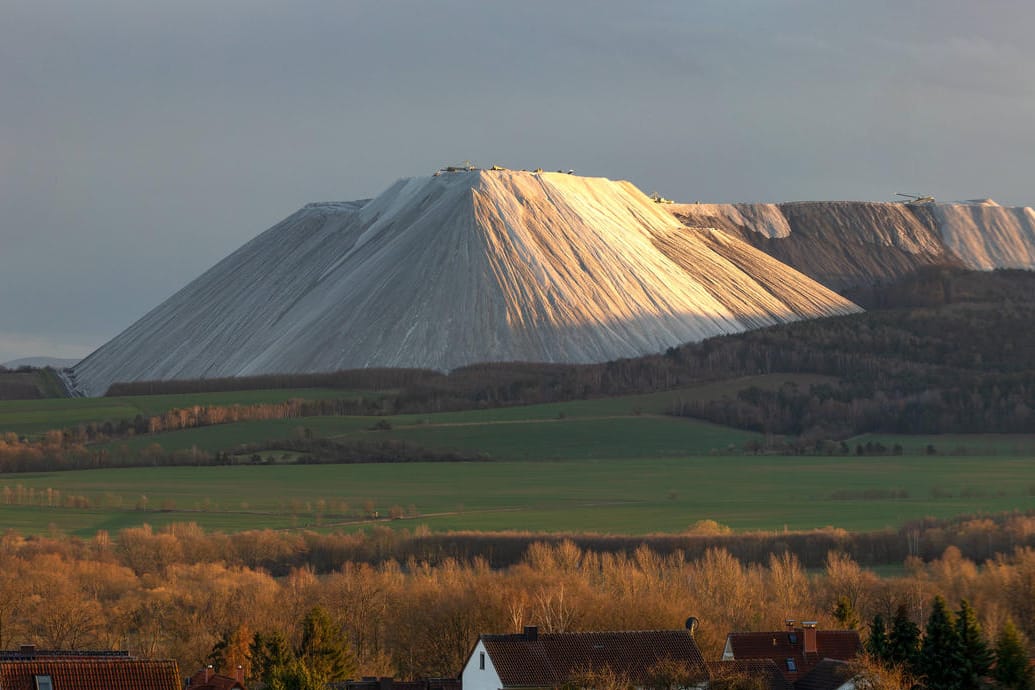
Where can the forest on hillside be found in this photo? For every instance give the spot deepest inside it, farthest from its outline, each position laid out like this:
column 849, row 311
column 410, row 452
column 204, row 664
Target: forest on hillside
column 946, row 350
column 960, row 360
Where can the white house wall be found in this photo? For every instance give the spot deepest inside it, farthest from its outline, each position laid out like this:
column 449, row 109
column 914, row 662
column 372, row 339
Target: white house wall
column 475, row 678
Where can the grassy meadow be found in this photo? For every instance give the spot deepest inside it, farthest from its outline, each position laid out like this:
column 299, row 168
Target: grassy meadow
column 30, row 417
column 614, row 465
column 633, row 495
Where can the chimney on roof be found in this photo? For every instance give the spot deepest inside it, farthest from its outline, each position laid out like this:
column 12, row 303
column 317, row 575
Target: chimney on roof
column 208, row 672
column 29, row 649
column 811, row 646
column 790, row 623
column 531, row 633
column 239, row 674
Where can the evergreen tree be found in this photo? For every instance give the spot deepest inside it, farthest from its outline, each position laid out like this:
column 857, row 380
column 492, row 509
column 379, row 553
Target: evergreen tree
column 941, row 654
column 976, row 657
column 269, row 655
column 904, row 641
column 297, row 675
column 877, row 644
column 217, row 657
column 1011, row 659
column 232, row 648
column 324, row 649
column 844, row 613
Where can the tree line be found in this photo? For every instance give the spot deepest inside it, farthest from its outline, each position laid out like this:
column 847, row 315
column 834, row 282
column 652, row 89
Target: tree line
column 951, row 654
column 50, row 454
column 174, row 593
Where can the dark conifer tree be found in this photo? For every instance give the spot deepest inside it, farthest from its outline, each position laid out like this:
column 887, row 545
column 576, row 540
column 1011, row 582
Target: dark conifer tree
column 269, row 655
column 976, row 659
column 844, row 613
column 1012, row 669
column 904, row 641
column 877, row 644
column 941, row 654
column 324, row 649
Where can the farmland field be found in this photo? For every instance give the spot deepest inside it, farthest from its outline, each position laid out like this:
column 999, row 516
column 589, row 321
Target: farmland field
column 615, row 465
column 547, row 431
column 626, row 495
column 37, row 416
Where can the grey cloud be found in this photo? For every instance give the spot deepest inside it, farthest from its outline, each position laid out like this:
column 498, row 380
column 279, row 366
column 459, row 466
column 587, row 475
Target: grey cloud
column 141, row 142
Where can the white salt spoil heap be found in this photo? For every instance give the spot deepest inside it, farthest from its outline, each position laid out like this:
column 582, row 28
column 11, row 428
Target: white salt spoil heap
column 986, row 235
column 459, row 268
column 846, row 244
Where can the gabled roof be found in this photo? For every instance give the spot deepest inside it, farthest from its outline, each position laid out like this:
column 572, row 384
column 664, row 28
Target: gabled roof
column 784, row 645
column 828, row 674
column 89, row 673
column 764, row 669
column 213, row 681
column 387, row 683
column 548, row 660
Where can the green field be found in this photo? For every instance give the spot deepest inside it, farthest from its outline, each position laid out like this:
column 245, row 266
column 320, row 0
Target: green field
column 954, row 444
column 37, row 416
column 605, row 427
column 616, row 465
column 554, row 439
column 626, row 495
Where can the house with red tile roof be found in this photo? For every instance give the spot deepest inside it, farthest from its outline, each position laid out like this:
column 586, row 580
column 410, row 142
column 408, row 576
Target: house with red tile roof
column 550, row 660
column 30, row 669
column 388, row 683
column 763, row 670
column 796, row 651
column 829, row 674
column 207, row 679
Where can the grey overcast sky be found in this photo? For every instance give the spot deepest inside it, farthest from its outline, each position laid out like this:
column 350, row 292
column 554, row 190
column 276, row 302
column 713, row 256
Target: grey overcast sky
column 143, row 140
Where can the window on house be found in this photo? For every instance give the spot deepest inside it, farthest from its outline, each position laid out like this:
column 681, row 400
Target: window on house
column 481, row 661
column 792, row 665
column 44, row 683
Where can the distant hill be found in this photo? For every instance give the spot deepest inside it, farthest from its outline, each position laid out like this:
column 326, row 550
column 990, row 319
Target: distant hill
column 444, row 271
column 852, row 244
column 23, row 383
column 40, row 362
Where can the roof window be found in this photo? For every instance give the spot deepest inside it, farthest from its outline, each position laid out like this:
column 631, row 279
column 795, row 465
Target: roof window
column 792, row 665
column 44, row 683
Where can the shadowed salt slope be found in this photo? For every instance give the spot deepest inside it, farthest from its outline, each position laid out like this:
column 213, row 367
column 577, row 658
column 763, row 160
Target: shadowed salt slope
column 449, row 270
column 845, row 244
column 842, row 244
column 988, row 236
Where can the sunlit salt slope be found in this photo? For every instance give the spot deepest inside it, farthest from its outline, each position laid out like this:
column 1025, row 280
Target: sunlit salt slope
column 846, row 244
column 465, row 267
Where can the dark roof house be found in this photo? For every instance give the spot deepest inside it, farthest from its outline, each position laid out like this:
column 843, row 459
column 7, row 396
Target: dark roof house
column 796, row 651
column 550, row 660
column 829, row 674
column 29, row 669
column 387, row 683
column 764, row 670
column 207, row 679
